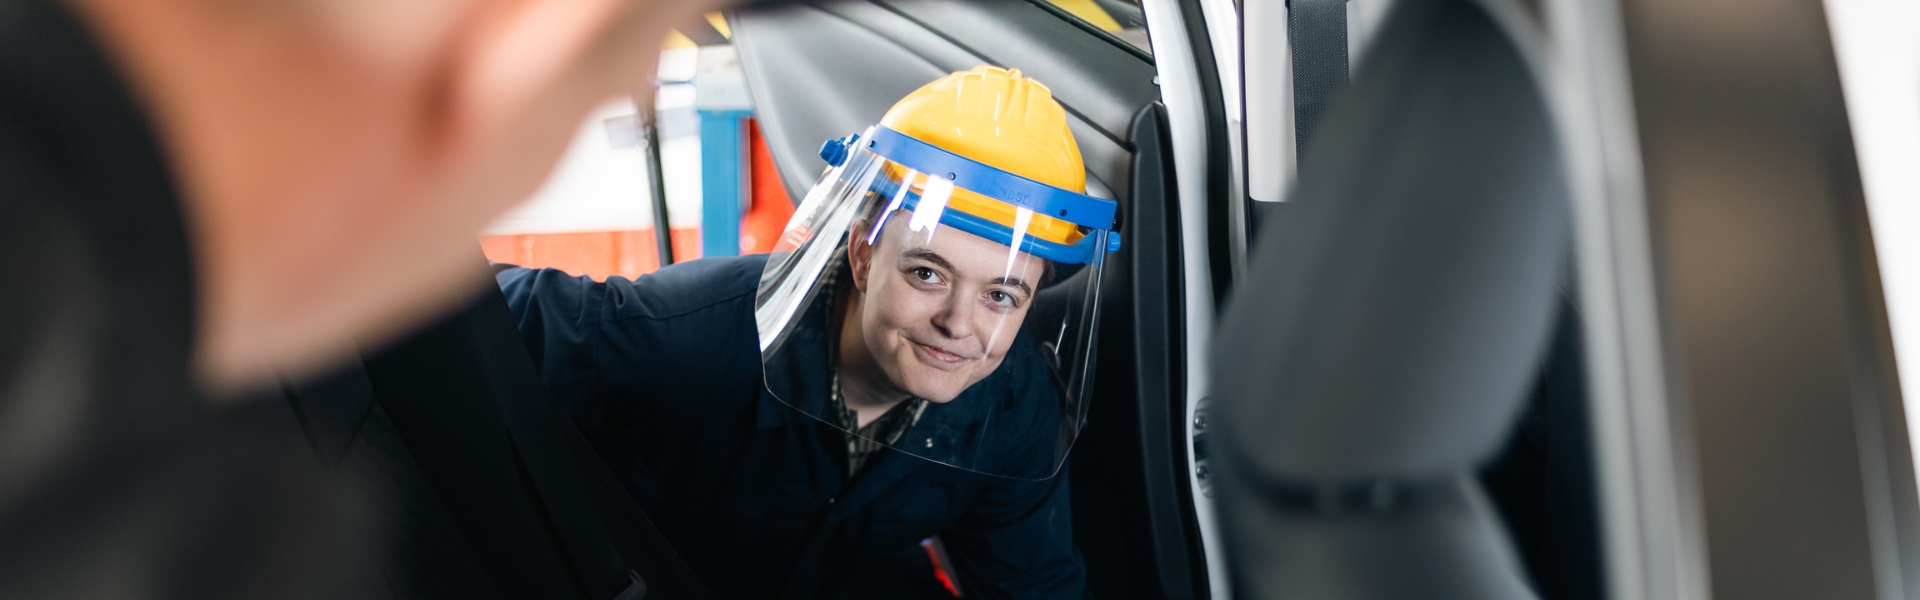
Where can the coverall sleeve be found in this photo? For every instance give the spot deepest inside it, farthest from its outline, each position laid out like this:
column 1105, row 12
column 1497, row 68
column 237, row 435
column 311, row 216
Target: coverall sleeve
column 1016, row 541
column 622, row 354
column 559, row 318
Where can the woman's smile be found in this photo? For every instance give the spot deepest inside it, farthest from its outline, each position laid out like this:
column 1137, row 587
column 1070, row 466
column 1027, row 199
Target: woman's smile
column 937, row 357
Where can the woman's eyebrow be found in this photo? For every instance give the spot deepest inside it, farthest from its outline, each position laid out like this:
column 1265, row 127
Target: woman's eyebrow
column 1012, row 281
column 941, row 261
column 929, row 256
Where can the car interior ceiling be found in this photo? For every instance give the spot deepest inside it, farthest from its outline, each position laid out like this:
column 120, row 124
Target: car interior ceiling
column 489, row 492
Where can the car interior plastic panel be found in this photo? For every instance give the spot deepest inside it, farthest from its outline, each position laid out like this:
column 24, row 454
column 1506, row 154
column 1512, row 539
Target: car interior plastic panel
column 1392, row 326
column 1133, row 510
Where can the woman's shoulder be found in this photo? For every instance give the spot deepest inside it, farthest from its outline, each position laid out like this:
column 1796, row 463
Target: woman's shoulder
column 683, row 335
column 1026, row 407
column 684, row 289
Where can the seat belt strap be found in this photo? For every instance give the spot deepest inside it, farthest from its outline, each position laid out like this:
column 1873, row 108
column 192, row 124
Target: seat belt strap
column 1318, row 32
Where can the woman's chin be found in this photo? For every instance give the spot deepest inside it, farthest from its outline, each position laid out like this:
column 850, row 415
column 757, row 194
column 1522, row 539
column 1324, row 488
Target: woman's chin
column 934, row 385
column 938, row 394
column 938, row 383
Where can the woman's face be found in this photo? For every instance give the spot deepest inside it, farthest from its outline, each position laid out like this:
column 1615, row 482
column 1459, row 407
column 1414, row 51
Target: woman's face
column 940, row 308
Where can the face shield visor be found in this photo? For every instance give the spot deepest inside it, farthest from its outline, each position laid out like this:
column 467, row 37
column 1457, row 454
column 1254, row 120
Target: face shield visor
column 964, row 295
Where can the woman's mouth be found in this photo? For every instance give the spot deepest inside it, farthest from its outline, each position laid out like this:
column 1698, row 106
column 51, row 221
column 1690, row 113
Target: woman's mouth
column 938, row 357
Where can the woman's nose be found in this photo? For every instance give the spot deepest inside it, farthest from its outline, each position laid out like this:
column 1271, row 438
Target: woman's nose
column 955, row 320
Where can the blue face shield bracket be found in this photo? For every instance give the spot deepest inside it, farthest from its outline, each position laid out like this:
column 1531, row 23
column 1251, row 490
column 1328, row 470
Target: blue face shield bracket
column 966, row 173
column 1080, row 252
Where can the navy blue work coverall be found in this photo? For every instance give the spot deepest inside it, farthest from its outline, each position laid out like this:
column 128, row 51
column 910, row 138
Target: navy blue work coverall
column 663, row 375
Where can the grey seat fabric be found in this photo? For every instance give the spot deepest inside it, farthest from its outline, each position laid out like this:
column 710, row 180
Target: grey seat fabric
column 1392, row 324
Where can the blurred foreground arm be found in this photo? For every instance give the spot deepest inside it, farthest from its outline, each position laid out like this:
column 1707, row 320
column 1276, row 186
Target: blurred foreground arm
column 198, row 192
column 335, row 159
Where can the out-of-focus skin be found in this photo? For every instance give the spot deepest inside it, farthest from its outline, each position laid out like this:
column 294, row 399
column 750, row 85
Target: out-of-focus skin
column 929, row 315
column 337, row 157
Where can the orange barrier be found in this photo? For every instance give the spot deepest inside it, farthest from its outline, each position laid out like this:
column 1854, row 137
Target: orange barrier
column 771, row 207
column 600, row 254
column 596, row 254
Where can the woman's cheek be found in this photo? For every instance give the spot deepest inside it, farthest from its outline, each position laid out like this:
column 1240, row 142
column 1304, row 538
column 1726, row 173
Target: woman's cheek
column 917, row 309
column 894, row 304
column 1005, row 328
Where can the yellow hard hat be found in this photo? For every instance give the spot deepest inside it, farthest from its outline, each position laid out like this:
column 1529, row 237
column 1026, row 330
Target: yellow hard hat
column 1004, row 120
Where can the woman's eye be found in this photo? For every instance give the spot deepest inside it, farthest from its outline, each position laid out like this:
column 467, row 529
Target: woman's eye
column 925, row 274
column 1002, row 298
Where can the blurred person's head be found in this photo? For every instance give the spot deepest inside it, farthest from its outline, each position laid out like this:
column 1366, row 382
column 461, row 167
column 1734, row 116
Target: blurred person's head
column 337, row 157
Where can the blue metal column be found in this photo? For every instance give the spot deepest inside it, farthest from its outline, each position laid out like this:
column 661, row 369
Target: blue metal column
column 723, row 158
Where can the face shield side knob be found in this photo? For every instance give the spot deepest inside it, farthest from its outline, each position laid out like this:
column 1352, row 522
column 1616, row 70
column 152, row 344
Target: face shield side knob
column 835, row 152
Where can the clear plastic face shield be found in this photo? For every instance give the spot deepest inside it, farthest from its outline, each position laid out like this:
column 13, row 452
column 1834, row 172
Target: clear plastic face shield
column 963, row 294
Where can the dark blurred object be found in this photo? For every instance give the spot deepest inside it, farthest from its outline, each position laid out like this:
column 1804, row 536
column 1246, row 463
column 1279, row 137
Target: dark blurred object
column 118, row 479
column 486, row 488
column 1392, row 326
column 1791, row 447
column 1543, row 483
